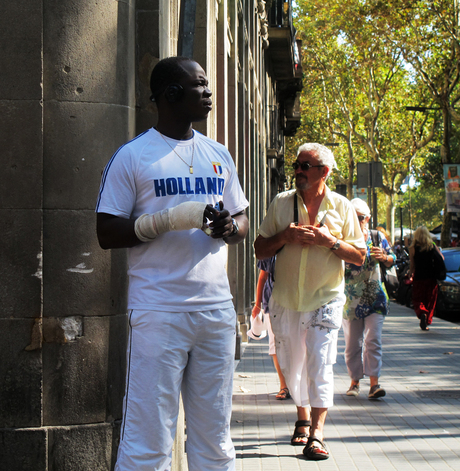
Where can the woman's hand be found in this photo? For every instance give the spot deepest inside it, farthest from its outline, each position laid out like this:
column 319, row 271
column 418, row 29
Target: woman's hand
column 381, row 256
column 255, row 311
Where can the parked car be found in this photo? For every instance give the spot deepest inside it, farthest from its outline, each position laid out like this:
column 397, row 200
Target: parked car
column 448, row 303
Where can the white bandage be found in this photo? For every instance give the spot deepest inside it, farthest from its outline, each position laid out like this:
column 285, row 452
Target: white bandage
column 185, row 216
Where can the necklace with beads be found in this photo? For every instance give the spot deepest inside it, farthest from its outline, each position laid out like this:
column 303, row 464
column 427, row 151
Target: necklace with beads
column 172, row 148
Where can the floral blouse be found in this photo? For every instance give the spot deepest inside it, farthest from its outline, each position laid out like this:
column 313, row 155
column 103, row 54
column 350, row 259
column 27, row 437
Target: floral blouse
column 364, row 288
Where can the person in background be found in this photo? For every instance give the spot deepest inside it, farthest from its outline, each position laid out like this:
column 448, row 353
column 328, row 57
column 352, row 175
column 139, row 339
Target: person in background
column 384, row 232
column 424, row 284
column 407, row 242
column 308, row 296
column 263, row 293
column 173, row 198
column 398, row 248
column 365, row 309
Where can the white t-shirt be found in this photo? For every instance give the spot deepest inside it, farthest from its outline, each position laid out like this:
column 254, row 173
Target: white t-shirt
column 179, row 271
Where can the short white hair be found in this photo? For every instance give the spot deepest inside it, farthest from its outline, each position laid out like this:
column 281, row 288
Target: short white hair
column 322, row 153
column 361, row 207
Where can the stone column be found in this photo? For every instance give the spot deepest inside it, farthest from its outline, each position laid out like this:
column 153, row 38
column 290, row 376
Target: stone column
column 21, row 154
column 68, row 103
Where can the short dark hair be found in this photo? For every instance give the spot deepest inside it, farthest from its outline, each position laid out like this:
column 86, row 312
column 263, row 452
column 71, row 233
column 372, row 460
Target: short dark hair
column 165, row 73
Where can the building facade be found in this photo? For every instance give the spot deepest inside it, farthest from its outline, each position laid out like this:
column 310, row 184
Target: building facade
column 75, row 86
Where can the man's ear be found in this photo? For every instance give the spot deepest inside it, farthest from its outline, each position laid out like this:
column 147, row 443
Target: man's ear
column 174, row 93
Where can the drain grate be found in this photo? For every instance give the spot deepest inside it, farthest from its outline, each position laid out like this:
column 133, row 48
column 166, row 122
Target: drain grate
column 440, row 394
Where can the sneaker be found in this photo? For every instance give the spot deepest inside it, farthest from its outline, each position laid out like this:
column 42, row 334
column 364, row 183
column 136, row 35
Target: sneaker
column 376, row 392
column 353, row 391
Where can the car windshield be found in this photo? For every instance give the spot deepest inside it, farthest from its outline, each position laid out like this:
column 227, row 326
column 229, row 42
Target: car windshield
column 452, row 260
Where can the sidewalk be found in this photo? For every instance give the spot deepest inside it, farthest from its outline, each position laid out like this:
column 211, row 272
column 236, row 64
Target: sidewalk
column 415, row 427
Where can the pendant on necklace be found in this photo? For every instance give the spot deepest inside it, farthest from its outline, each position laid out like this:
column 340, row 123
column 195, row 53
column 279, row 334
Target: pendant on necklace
column 191, row 169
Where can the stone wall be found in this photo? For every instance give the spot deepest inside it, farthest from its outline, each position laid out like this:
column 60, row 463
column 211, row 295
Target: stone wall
column 75, row 86
column 67, row 102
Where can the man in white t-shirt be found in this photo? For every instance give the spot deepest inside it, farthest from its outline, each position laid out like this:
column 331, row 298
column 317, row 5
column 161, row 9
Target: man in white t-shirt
column 172, row 197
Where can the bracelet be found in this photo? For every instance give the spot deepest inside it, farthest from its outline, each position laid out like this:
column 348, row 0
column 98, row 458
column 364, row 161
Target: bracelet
column 235, row 228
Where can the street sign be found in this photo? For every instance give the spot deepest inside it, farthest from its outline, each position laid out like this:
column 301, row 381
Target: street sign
column 360, row 193
column 369, row 175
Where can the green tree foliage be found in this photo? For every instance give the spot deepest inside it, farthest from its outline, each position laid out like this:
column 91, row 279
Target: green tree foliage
column 427, row 31
column 364, row 62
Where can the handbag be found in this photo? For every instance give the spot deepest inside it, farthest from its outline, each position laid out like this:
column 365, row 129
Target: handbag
column 389, row 275
column 390, row 279
column 439, row 267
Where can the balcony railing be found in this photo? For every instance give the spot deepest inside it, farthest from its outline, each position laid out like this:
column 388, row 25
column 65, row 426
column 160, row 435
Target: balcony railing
column 282, row 40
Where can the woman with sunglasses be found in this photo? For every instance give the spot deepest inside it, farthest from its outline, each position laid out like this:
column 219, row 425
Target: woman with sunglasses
column 365, row 309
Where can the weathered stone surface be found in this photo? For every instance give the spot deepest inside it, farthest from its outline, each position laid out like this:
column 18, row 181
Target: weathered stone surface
column 88, row 50
column 88, row 70
column 23, row 450
column 118, row 338
column 115, row 439
column 80, row 278
column 21, row 184
column 21, row 59
column 148, row 51
column 80, row 448
column 67, row 102
column 73, row 166
column 20, row 263
column 20, row 376
column 75, row 375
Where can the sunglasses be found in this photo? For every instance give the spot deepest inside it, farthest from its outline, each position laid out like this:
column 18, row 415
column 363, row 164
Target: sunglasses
column 305, row 166
column 361, row 218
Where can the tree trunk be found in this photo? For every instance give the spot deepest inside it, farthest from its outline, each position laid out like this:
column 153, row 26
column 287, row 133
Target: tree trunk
column 391, row 219
column 445, row 231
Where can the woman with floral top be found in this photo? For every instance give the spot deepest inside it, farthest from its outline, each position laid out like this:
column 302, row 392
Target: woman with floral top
column 365, row 309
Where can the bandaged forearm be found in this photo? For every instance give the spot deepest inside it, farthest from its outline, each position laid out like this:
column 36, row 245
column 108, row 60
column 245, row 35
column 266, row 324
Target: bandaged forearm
column 185, row 216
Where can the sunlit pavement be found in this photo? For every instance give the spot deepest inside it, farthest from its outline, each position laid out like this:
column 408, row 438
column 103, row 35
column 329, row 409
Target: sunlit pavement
column 416, row 426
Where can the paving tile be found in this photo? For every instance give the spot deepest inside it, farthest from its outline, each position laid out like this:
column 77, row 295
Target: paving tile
column 416, row 427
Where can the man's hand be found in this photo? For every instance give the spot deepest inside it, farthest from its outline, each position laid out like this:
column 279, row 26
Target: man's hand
column 222, row 222
column 309, row 235
column 294, row 234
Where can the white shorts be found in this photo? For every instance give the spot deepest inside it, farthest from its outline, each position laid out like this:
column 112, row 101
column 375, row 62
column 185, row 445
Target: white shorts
column 306, row 347
column 271, row 336
column 169, row 353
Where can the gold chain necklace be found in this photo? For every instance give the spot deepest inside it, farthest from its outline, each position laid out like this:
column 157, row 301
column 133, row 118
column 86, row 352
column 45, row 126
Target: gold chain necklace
column 172, row 148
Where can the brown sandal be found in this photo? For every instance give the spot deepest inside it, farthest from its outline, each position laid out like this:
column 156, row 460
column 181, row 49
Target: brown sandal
column 303, row 436
column 283, row 394
column 316, row 450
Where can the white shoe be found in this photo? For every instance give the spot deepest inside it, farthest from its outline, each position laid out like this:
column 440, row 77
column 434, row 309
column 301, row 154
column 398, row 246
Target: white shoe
column 353, row 391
